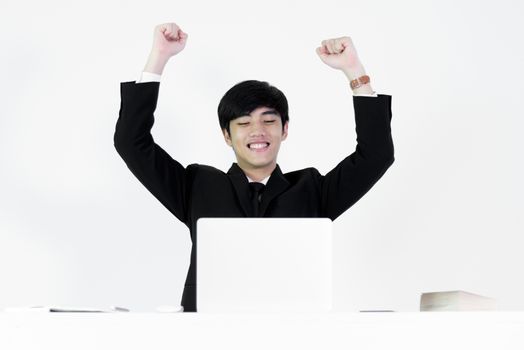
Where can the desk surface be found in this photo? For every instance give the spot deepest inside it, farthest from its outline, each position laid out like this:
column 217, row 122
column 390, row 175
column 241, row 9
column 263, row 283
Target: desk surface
column 402, row 330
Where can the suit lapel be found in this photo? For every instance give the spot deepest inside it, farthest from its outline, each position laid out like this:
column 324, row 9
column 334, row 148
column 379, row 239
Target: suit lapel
column 241, row 185
column 276, row 184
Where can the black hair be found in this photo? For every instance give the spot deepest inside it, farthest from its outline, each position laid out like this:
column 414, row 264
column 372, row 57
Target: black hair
column 248, row 95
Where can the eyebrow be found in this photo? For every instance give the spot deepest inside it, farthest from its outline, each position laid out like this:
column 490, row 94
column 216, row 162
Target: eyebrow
column 269, row 111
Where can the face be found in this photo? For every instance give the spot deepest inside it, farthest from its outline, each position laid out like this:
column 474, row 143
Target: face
column 256, row 138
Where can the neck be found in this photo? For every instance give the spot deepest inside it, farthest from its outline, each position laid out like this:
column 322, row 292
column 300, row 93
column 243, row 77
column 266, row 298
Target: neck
column 258, row 174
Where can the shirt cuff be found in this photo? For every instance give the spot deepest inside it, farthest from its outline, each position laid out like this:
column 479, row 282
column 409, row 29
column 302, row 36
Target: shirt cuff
column 147, row 77
column 374, row 94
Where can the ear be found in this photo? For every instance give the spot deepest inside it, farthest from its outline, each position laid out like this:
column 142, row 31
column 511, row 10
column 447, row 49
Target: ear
column 227, row 138
column 284, row 132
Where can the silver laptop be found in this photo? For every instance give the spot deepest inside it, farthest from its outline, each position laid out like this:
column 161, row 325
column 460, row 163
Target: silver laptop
column 264, row 264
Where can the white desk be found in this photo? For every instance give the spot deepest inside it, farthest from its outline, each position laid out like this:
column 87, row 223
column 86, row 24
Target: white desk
column 399, row 330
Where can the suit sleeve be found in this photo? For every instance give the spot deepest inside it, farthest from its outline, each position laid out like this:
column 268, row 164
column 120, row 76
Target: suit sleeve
column 163, row 176
column 356, row 174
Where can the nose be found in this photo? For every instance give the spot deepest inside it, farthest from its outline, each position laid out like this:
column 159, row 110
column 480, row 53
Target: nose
column 257, row 130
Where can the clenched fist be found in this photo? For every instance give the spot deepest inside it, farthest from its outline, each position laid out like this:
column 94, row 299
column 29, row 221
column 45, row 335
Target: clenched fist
column 168, row 39
column 339, row 53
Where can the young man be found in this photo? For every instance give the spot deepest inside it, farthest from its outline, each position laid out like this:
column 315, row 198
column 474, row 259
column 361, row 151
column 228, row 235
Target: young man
column 254, row 118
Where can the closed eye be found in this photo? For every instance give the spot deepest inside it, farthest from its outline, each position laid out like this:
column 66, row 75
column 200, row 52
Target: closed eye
column 244, row 123
column 269, row 121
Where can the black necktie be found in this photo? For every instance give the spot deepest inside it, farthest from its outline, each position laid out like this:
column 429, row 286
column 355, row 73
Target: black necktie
column 256, row 195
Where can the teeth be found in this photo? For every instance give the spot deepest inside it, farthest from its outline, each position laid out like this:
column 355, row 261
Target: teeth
column 258, row 145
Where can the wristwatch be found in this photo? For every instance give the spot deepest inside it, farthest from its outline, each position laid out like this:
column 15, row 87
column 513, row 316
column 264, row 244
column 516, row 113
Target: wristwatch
column 355, row 83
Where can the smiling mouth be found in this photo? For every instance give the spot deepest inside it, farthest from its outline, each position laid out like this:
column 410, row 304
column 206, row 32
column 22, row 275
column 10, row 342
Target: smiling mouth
column 258, row 145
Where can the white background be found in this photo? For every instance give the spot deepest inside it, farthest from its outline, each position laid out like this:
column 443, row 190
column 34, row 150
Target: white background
column 77, row 228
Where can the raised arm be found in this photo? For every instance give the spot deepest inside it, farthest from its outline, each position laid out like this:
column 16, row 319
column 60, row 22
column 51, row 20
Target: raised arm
column 163, row 176
column 357, row 173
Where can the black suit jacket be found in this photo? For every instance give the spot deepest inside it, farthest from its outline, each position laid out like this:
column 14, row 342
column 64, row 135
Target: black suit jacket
column 199, row 191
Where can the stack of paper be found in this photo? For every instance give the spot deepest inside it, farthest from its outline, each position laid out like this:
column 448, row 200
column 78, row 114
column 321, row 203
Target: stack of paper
column 455, row 301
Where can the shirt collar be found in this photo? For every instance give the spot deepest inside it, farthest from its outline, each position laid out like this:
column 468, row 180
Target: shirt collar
column 263, row 181
column 237, row 171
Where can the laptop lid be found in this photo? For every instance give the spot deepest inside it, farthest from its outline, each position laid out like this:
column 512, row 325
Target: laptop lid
column 264, row 264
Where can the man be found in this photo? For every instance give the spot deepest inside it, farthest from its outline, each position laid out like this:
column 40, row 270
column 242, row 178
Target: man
column 254, row 121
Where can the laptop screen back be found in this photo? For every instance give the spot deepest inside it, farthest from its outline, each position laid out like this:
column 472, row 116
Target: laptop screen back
column 264, row 264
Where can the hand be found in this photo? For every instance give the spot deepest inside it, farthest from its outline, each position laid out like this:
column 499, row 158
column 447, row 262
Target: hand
column 168, row 40
column 339, row 53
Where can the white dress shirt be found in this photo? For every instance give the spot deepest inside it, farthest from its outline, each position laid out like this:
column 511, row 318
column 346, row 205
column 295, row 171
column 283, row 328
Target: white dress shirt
column 264, row 181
